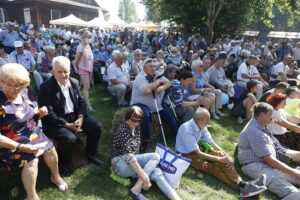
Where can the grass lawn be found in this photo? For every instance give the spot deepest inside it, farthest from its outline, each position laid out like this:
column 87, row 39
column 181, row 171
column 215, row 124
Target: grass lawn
column 91, row 182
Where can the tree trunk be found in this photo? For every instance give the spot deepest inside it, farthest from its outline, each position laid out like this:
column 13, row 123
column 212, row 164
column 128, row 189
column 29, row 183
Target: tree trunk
column 214, row 8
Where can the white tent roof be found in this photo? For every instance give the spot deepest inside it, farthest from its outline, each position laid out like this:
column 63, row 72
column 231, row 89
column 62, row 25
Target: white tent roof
column 250, row 33
column 98, row 22
column 116, row 21
column 279, row 34
column 70, row 20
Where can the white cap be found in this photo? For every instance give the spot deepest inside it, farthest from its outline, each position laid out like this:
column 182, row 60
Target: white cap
column 9, row 23
column 18, row 44
column 30, row 26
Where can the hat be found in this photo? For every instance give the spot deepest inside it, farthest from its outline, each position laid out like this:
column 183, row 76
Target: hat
column 245, row 53
column 253, row 57
column 30, row 26
column 18, row 44
column 222, row 55
column 9, row 23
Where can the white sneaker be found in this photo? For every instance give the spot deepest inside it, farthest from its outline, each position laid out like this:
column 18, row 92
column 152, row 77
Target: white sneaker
column 239, row 120
column 230, row 106
column 219, row 113
column 214, row 116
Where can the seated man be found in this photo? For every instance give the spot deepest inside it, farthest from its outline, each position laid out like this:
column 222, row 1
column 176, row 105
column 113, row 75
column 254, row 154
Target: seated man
column 175, row 95
column 280, row 88
column 247, row 71
column 25, row 58
column 212, row 159
column 67, row 115
column 147, row 93
column 279, row 72
column 118, row 78
column 257, row 153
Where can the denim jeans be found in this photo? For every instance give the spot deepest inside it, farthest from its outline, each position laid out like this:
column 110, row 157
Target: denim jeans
column 148, row 161
column 146, row 125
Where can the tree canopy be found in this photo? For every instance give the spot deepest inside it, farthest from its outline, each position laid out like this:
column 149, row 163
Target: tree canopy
column 216, row 17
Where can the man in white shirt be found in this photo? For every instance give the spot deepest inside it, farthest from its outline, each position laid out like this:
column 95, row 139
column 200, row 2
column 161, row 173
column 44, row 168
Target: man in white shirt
column 118, row 78
column 280, row 71
column 296, row 53
column 247, row 71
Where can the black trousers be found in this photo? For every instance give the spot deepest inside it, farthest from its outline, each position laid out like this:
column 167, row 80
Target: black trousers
column 66, row 138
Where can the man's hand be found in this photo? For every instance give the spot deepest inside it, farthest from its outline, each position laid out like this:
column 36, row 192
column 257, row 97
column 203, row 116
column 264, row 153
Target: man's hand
column 226, row 160
column 78, row 123
column 71, row 126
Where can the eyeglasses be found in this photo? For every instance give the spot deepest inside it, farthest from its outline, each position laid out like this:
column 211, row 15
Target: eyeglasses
column 15, row 87
column 136, row 120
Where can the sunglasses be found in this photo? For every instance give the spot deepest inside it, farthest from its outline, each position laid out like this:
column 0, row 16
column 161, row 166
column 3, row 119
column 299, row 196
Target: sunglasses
column 136, row 120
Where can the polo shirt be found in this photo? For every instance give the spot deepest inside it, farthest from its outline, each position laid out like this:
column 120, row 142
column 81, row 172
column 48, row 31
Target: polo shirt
column 114, row 72
column 189, row 135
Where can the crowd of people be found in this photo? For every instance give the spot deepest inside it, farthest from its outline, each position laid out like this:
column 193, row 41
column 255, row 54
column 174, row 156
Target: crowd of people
column 178, row 76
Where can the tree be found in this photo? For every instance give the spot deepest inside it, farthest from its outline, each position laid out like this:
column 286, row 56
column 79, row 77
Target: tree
column 127, row 11
column 214, row 17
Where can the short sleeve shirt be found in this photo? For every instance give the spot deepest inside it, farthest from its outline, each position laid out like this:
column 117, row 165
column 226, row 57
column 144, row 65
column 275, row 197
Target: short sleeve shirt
column 115, row 72
column 244, row 69
column 279, row 68
column 189, row 135
column 255, row 142
column 278, row 116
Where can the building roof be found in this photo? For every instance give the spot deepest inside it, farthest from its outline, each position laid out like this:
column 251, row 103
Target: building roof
column 74, row 3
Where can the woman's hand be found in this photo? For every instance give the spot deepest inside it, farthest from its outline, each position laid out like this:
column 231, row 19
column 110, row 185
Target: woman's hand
column 42, row 112
column 146, row 181
column 28, row 148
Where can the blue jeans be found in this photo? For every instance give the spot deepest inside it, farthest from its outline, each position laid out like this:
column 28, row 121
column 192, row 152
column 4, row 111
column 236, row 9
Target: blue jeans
column 146, row 125
column 148, row 161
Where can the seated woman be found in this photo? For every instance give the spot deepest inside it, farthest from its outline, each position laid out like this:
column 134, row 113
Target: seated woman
column 46, row 65
column 127, row 162
column 282, row 122
column 200, row 85
column 242, row 107
column 22, row 140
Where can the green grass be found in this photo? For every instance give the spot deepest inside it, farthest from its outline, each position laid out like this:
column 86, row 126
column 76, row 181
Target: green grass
column 91, row 182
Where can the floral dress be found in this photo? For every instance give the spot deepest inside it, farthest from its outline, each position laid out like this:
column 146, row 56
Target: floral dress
column 20, row 123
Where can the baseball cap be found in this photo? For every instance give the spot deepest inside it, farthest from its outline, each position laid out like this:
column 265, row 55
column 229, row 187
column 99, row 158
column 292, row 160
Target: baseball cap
column 18, row 44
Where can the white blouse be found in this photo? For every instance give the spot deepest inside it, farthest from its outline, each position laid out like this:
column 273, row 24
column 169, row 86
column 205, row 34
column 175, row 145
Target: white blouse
column 278, row 116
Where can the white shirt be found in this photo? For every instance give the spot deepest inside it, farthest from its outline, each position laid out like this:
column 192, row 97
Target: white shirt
column 279, row 68
column 278, row 116
column 115, row 72
column 244, row 69
column 69, row 106
column 296, row 53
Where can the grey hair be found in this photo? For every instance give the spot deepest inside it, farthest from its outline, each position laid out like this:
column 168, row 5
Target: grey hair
column 116, row 54
column 199, row 113
column 61, row 60
column 196, row 63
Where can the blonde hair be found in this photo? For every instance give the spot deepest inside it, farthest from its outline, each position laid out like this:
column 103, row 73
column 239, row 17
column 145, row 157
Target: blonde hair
column 15, row 72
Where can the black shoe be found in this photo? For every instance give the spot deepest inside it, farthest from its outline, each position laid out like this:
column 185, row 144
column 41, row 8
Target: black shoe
column 94, row 159
column 66, row 170
column 147, row 147
column 138, row 196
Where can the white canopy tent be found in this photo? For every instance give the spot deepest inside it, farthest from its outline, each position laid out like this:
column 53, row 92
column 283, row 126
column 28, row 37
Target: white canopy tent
column 116, row 21
column 279, row 34
column 250, row 33
column 70, row 20
column 98, row 22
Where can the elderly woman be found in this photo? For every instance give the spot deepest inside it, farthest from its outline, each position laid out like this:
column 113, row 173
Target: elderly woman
column 84, row 63
column 160, row 62
column 282, row 122
column 46, row 64
column 127, row 162
column 200, row 85
column 22, row 140
column 136, row 65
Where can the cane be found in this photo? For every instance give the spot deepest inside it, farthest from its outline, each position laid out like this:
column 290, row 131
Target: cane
column 159, row 119
column 172, row 106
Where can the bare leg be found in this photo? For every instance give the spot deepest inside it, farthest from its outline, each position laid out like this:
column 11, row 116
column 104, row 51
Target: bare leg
column 29, row 175
column 85, row 90
column 137, row 188
column 248, row 103
column 51, row 160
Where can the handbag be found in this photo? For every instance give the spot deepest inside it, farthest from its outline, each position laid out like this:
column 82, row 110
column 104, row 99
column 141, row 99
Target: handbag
column 172, row 165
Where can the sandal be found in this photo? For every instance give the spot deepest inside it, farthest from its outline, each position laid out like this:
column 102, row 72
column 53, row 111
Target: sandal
column 62, row 187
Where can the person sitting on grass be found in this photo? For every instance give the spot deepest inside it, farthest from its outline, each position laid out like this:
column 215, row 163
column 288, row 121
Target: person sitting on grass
column 292, row 106
column 212, row 159
column 127, row 162
column 242, row 108
column 257, row 153
column 22, row 140
column 282, row 122
column 281, row 87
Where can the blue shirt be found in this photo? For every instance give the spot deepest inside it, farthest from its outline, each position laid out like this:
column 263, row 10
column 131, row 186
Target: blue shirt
column 8, row 38
column 26, row 59
column 255, row 142
column 189, row 135
column 176, row 94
